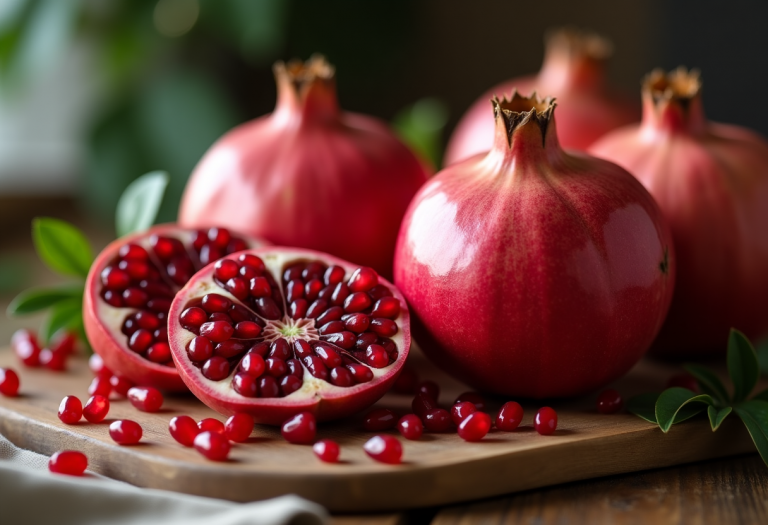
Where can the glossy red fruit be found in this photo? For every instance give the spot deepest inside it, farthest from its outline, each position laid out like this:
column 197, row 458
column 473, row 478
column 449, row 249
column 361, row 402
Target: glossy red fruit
column 70, row 410
column 475, row 426
column 461, row 410
column 56, row 361
column 422, row 404
column 410, row 427
column 212, row 445
column 379, row 419
column 545, row 421
column 684, row 381
column 293, row 364
column 128, row 293
column 472, row 397
column 120, row 385
column 366, row 173
column 125, row 432
column 100, row 386
column 183, row 429
column 384, row 449
column 430, row 389
column 238, row 428
column 574, row 73
column 509, row 417
column 609, row 401
column 145, row 398
column 300, row 429
column 593, row 230
column 24, row 344
column 437, row 420
column 406, row 382
column 70, row 462
column 210, row 424
column 9, row 382
column 96, row 409
column 327, row 450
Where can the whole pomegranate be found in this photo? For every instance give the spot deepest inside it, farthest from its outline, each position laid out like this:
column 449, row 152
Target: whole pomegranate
column 308, row 175
column 573, row 71
column 534, row 272
column 711, row 182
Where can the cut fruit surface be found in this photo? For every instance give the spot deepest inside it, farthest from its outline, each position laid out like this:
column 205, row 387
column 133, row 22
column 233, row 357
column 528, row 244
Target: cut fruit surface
column 298, row 339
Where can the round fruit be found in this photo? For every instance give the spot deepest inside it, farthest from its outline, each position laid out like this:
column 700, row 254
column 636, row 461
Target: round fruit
column 509, row 417
column 212, row 445
column 300, row 429
column 475, row 426
column 410, row 427
column 287, row 346
column 128, row 293
column 125, row 432
column 9, row 382
column 184, row 430
column 96, row 409
column 70, row 462
column 70, row 410
column 545, row 421
column 609, row 401
column 145, row 398
column 327, row 450
column 384, row 448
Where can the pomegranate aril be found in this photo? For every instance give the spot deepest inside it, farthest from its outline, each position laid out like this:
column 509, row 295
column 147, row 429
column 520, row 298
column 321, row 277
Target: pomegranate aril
column 220, row 316
column 360, row 373
column 316, row 367
column 200, row 349
column 147, row 320
column 340, row 294
column 226, row 269
column 340, row 376
column 56, row 361
column 69, row 462
column 276, row 367
column 136, row 270
column 379, row 419
column 125, row 432
column 259, row 287
column 430, row 389
column 135, row 297
column 410, row 427
column 300, row 429
column 290, row 384
column 133, row 251
column 298, row 308
column 326, row 293
column 261, row 349
column 140, row 340
column 238, row 428
column 236, row 245
column 295, row 368
column 327, row 451
column 216, row 368
column 96, row 409
column 184, row 430
column 120, row 385
column 472, row 397
column 313, row 270
column 210, row 424
column 366, row 339
column 331, row 328
column 214, row 302
column 363, row 279
column 390, row 347
column 267, row 308
column 100, row 386
column 437, row 420
column 230, row 349
column 379, row 291
column 312, row 289
column 220, row 237
column 159, row 353
column 357, row 323
column 245, row 384
column 9, row 382
column 609, row 401
column 334, row 275
column 115, row 278
column 383, row 327
column 475, row 426
column 253, row 364
column 268, row 386
column 461, row 410
column 113, row 298
column 24, row 345
column 157, row 289
column 165, row 247
column 545, row 421
column 240, row 313
column 406, row 382
column 209, row 253
column 145, row 398
column 357, row 302
column 316, row 309
column 386, row 307
column 212, row 445
column 192, row 318
column 333, row 313
column 345, row 340
column 237, row 287
column 294, row 272
column 330, row 357
column 97, row 366
column 385, row 449
column 280, row 349
column 376, row 356
column 422, row 404
column 294, row 290
column 302, row 348
column 217, row 331
column 247, row 259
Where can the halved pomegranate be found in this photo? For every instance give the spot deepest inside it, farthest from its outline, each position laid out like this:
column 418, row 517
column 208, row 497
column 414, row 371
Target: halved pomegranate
column 277, row 331
column 129, row 290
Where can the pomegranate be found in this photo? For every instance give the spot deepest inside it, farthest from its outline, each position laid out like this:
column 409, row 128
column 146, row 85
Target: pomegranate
column 184, row 430
column 308, row 333
column 711, row 182
column 410, row 427
column 475, row 426
column 545, row 421
column 384, row 449
column 531, row 271
column 509, row 417
column 70, row 410
column 573, row 71
column 96, row 409
column 297, row 176
column 9, row 382
column 128, row 293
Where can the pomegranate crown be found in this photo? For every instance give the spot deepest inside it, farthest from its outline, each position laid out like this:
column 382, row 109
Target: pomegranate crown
column 576, row 42
column 309, row 86
column 518, row 110
column 301, row 75
column 680, row 85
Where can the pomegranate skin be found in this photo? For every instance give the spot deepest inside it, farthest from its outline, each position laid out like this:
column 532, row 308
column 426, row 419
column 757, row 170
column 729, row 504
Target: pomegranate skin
column 711, row 182
column 573, row 71
column 308, row 175
column 533, row 272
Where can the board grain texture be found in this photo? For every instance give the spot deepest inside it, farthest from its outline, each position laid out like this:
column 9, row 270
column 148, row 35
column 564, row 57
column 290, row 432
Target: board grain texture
column 439, row 469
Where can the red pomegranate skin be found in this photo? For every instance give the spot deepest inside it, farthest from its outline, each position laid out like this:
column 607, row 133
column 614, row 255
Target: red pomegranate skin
column 574, row 71
column 711, row 182
column 309, row 175
column 533, row 272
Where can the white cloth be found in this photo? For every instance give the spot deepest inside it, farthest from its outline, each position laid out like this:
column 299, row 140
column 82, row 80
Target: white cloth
column 31, row 495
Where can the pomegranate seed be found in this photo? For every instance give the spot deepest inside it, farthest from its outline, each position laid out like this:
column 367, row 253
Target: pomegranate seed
column 63, row 343
column 55, row 361
column 276, row 367
column 365, row 339
column 216, row 368
column 422, row 404
column 684, row 381
column 330, row 357
column 316, row 309
column 331, row 328
column 97, row 366
column 70, row 410
column 333, row 313
column 112, row 298
column 229, row 349
column 214, row 302
column 345, row 340
column 386, row 307
column 259, row 287
column 120, row 385
column 140, row 341
column 410, row 427
column 24, row 344
column 406, row 382
column 212, row 445
column 261, row 349
column 237, row 287
column 299, row 308
column 429, row 388
column 221, row 317
column 509, row 417
column 69, row 462
column 114, row 278
column 210, row 424
column 302, row 348
column 376, row 356
column 225, row 270
column 312, row 289
column 545, row 421
column 294, row 290
column 378, row 292
column 159, row 305
column 238, row 428
column 183, row 429
column 164, row 247
column 96, row 409
column 361, row 373
column 133, row 251
column 137, row 270
column 217, row 331
column 475, row 426
column 327, row 450
column 357, row 302
column 300, row 429
column 280, row 349
column 267, row 308
column 294, row 272
column 383, row 327
column 100, row 386
column 316, row 367
column 437, row 420
column 384, row 448
column 334, row 275
column 245, row 385
column 461, row 410
column 192, row 318
column 220, row 237
column 135, row 297
column 472, row 397
column 200, row 349
column 609, row 402
column 294, row 365
column 357, row 323
column 341, row 376
column 290, row 384
column 236, row 245
column 147, row 320
column 9, row 382
column 380, row 419
column 159, row 353
column 326, row 293
column 363, row 279
column 125, row 432
column 339, row 295
column 268, row 387
column 145, row 398
column 253, row 261
column 253, row 364
column 314, row 270
column 209, row 253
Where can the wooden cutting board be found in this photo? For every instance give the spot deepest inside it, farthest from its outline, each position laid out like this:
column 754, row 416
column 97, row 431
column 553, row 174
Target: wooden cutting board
column 439, row 469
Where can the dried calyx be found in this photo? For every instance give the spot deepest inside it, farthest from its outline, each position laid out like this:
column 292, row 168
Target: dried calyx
column 518, row 111
column 681, row 85
column 575, row 42
column 310, row 85
column 672, row 101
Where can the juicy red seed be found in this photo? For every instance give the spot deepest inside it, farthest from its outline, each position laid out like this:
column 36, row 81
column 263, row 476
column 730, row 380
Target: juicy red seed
column 684, row 381
column 113, row 298
column 429, row 388
column 326, row 293
column 253, row 364
column 125, row 432
column 55, row 361
column 357, row 302
column 133, row 251
column 137, row 270
column 472, row 397
column 380, row 419
column 300, row 429
column 226, row 269
column 294, row 272
column 219, row 237
column 230, row 349
column 253, row 261
column 334, row 275
column 345, row 340
column 509, row 417
column 245, row 385
column 365, row 339
column 389, row 346
column 386, row 307
column 216, row 368
column 357, row 323
column 209, row 253
column 25, row 347
column 135, row 297
column 385, row 449
column 220, row 316
column 145, row 398
column 340, row 376
column 100, row 386
column 114, row 278
column 276, row 367
column 212, row 445
column 299, row 308
column 97, row 366
column 120, row 385
column 331, row 314
column 376, row 356
column 316, row 367
column 268, row 387
column 200, row 349
column 363, row 279
column 294, row 290
column 192, row 318
column 422, row 404
column 330, row 357
column 267, row 308
column 249, row 272
column 210, row 424
column 159, row 353
column 314, row 270
column 237, row 287
column 259, row 287
column 140, row 341
column 383, row 327
column 361, row 373
column 294, row 365
column 180, row 270
column 147, row 320
column 217, row 331
column 236, row 245
column 96, row 409
column 379, row 291
column 545, row 421
column 290, row 384
column 238, row 428
column 157, row 289
column 302, row 348
column 159, row 305
column 609, row 402
column 316, row 309
column 70, row 410
column 9, row 382
column 406, row 382
column 331, row 328
column 327, row 451
column 437, row 420
column 261, row 349
column 475, row 426
column 280, row 349
column 69, row 462
column 410, row 427
column 239, row 313
column 163, row 247
column 461, row 410
column 340, row 294
column 312, row 289
column 214, row 302
column 183, row 429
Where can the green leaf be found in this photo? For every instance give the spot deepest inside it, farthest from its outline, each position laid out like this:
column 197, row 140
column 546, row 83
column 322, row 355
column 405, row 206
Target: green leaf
column 717, row 416
column 62, row 246
column 673, row 400
column 66, row 314
column 754, row 414
column 762, row 355
column 708, row 382
column 762, row 396
column 644, row 406
column 36, row 299
column 742, row 365
column 140, row 202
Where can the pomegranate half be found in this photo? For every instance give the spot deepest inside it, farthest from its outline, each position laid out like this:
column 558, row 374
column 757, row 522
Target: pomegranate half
column 308, row 175
column 534, row 272
column 309, row 333
column 574, row 72
column 129, row 290
column 711, row 182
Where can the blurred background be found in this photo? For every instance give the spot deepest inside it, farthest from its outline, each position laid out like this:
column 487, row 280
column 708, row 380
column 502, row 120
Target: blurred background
column 94, row 93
